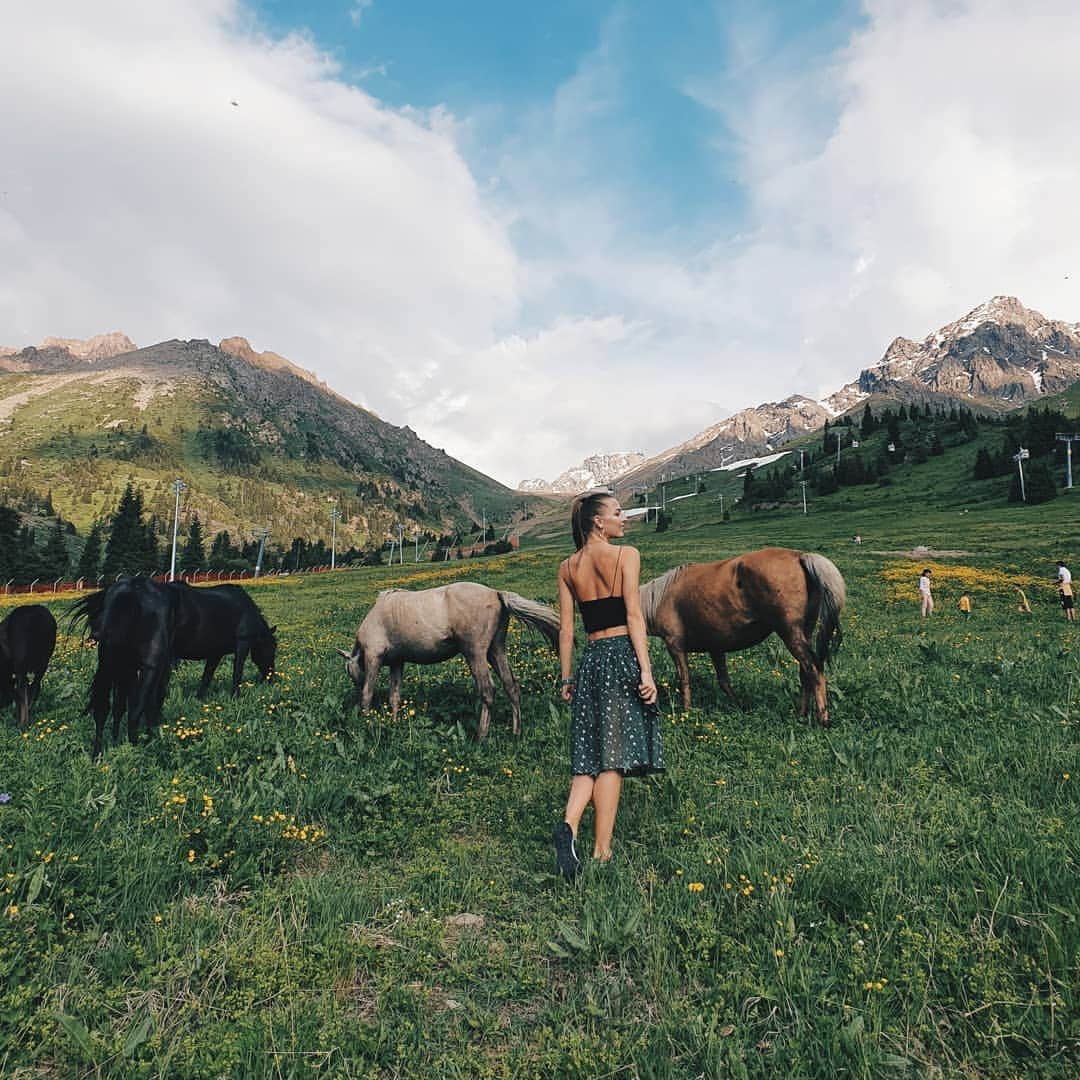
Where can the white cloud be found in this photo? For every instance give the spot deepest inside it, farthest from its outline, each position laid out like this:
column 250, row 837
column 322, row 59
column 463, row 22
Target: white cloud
column 949, row 176
column 307, row 217
column 526, row 323
column 356, row 12
column 893, row 186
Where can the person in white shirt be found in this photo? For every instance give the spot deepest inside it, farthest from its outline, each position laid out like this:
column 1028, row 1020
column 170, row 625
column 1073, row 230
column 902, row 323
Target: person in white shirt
column 1065, row 592
column 925, row 595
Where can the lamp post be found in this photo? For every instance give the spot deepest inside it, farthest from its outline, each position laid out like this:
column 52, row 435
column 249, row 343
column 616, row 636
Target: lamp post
column 177, row 486
column 803, row 482
column 262, row 534
column 334, row 512
column 1019, row 457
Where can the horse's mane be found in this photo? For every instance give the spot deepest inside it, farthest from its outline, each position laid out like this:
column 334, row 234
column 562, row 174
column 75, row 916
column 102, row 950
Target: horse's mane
column 652, row 592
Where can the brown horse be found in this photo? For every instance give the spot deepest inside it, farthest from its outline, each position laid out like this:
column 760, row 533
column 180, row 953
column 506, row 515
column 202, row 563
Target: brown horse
column 721, row 607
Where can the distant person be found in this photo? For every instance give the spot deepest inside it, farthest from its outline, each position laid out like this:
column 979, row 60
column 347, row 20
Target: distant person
column 965, row 605
column 925, row 595
column 615, row 722
column 856, row 539
column 1024, row 606
column 1065, row 591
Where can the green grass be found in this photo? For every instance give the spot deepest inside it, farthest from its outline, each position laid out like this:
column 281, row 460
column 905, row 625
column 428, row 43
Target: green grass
column 272, row 886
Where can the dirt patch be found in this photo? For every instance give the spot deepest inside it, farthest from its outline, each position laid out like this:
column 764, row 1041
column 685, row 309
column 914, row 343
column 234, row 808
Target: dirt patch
column 923, row 553
column 149, row 386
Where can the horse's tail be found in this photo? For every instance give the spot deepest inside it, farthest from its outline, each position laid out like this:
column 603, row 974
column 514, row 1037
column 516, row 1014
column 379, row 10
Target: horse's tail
column 538, row 616
column 117, row 621
column 827, row 582
column 87, row 610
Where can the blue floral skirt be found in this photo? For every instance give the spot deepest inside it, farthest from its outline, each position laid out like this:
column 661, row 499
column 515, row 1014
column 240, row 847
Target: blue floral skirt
column 611, row 728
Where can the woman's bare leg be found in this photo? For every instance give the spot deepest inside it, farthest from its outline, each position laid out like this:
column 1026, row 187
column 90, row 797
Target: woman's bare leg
column 605, row 795
column 581, row 792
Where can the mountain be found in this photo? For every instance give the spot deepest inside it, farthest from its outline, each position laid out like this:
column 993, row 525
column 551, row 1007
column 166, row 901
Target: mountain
column 599, row 470
column 745, row 434
column 998, row 357
column 257, row 440
column 61, row 351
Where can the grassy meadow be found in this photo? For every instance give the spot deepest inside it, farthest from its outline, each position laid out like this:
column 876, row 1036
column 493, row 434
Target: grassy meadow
column 279, row 886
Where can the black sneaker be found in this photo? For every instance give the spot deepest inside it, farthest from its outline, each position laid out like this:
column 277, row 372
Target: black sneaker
column 567, row 862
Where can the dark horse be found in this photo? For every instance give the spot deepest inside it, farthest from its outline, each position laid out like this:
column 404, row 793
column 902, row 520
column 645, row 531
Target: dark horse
column 133, row 622
column 721, row 607
column 213, row 622
column 27, row 641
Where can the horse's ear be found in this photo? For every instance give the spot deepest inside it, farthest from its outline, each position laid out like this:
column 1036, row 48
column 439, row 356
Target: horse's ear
column 343, row 653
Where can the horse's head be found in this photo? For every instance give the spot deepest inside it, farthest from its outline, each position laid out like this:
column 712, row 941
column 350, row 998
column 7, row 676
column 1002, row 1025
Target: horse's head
column 354, row 663
column 264, row 652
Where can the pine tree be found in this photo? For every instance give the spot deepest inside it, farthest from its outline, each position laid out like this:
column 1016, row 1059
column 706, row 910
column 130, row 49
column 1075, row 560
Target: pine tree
column 194, row 554
column 868, row 425
column 9, row 532
column 126, row 551
column 221, row 550
column 984, row 465
column 894, row 431
column 55, row 559
column 90, row 559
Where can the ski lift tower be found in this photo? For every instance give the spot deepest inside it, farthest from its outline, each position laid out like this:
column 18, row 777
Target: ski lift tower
column 1068, row 440
column 1019, row 457
column 260, row 535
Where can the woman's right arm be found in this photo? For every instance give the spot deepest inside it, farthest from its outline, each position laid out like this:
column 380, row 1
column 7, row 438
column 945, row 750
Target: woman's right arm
column 566, row 634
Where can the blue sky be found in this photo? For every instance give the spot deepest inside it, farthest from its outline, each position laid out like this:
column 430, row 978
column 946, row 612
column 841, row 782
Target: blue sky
column 537, row 232
column 674, row 161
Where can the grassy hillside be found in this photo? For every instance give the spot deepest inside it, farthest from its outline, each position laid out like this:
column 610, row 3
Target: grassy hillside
column 936, row 504
column 279, row 886
column 254, row 447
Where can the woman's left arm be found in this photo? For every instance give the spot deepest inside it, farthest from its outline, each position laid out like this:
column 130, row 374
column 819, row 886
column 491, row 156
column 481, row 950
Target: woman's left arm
column 635, row 622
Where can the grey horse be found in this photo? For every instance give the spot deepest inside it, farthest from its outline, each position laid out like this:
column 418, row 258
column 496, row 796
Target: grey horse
column 432, row 625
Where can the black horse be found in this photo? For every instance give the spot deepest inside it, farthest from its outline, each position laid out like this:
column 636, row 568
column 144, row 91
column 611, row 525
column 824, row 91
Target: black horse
column 134, row 623
column 27, row 641
column 213, row 622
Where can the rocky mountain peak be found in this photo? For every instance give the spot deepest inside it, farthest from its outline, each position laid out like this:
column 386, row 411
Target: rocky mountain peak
column 270, row 361
column 598, row 470
column 101, row 347
column 998, row 356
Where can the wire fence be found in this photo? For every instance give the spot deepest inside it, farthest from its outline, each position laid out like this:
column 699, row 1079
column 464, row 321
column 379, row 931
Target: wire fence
column 192, row 577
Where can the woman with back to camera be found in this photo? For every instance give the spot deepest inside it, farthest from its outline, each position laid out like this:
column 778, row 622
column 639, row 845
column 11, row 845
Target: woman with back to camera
column 615, row 723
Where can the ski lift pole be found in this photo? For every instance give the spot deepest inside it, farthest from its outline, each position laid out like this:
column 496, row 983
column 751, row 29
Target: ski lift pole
column 1019, row 457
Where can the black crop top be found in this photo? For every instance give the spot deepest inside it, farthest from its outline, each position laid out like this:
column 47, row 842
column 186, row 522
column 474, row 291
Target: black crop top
column 606, row 611
column 602, row 614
